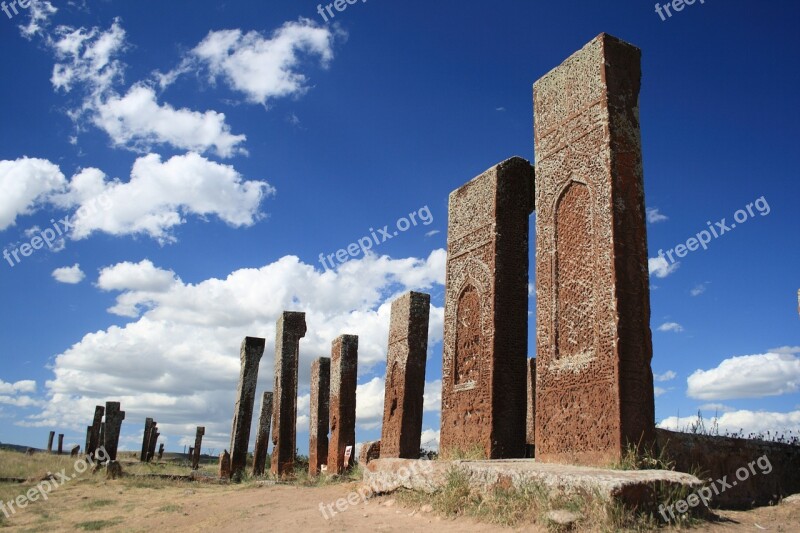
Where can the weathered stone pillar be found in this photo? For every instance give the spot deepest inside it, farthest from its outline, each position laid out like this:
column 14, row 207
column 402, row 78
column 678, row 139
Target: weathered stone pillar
column 250, row 356
column 262, row 437
column 148, row 424
column 60, row 443
column 113, row 424
column 486, row 313
column 405, row 376
column 198, row 443
column 160, row 451
column 290, row 329
column 530, row 432
column 50, row 441
column 320, row 410
column 154, row 434
column 95, row 441
column 225, row 465
column 371, row 451
column 594, row 385
column 88, row 440
column 344, row 374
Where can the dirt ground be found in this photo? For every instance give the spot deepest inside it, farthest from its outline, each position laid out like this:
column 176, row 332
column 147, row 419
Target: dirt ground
column 168, row 506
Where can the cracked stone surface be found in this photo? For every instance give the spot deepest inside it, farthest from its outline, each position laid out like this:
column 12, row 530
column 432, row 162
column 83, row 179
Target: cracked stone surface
column 632, row 487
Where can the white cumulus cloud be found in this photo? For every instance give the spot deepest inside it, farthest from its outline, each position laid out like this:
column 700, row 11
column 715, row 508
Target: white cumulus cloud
column 18, row 394
column 742, row 421
column 672, row 327
column 160, row 194
column 157, row 198
column 262, row 68
column 177, row 358
column 71, row 275
column 138, row 121
column 430, row 439
column 747, row 376
column 26, row 184
column 88, row 62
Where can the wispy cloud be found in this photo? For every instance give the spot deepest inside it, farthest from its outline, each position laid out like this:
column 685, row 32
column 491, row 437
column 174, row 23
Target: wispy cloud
column 672, row 327
column 669, row 375
column 698, row 289
column 660, row 267
column 654, row 216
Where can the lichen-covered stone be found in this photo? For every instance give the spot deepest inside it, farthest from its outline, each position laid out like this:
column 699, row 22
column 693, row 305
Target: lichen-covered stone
column 113, row 470
column 320, row 410
column 290, row 329
column 530, row 431
column 250, row 355
column 594, row 385
column 344, row 374
column 262, row 436
column 486, row 313
column 151, row 449
column 225, row 465
column 640, row 489
column 405, row 376
column 94, row 436
column 369, row 452
column 113, row 425
column 198, row 443
column 148, row 424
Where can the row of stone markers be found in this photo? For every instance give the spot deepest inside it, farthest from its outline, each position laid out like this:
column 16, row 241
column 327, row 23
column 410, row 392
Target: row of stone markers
column 333, row 391
column 60, row 442
column 333, row 407
column 279, row 407
column 104, row 431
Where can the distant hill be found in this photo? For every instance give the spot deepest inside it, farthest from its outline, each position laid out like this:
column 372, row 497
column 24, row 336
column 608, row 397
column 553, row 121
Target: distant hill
column 17, row 448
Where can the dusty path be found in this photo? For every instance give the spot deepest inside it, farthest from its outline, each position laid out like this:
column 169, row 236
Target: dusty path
column 119, row 506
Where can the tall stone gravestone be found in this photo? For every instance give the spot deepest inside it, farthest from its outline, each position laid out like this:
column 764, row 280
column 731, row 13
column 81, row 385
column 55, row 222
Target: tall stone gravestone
column 594, row 385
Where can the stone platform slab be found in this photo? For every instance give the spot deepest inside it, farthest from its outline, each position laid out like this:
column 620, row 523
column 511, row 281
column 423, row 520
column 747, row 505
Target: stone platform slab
column 634, row 488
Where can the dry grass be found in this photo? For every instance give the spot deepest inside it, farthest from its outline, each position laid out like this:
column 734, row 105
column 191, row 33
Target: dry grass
column 476, row 452
column 18, row 465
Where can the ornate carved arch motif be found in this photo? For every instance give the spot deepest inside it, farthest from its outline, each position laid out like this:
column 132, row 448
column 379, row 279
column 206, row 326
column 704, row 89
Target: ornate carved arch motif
column 468, row 337
column 471, row 328
column 575, row 274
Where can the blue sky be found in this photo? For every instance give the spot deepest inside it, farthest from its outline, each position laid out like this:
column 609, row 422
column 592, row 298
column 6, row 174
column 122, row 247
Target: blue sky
column 205, row 154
